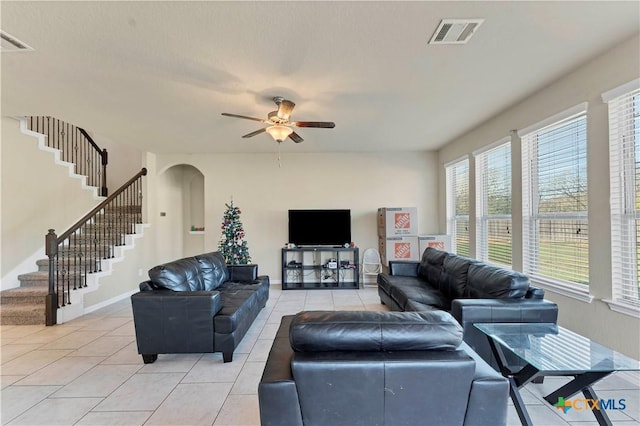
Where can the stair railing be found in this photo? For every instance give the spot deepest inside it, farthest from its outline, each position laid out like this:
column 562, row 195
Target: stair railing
column 81, row 249
column 77, row 147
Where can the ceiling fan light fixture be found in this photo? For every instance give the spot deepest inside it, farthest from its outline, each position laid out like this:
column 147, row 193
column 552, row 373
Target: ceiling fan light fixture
column 279, row 132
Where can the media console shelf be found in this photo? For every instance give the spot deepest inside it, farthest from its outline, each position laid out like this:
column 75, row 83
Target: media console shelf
column 306, row 268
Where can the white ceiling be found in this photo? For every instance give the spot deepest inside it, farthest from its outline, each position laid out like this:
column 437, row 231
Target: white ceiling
column 157, row 75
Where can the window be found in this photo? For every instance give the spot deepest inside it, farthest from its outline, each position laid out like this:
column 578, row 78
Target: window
column 624, row 149
column 555, row 199
column 493, row 205
column 458, row 206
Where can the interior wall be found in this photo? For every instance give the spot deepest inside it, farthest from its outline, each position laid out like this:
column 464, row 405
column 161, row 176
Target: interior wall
column 265, row 192
column 37, row 195
column 586, row 84
column 124, row 161
column 193, row 210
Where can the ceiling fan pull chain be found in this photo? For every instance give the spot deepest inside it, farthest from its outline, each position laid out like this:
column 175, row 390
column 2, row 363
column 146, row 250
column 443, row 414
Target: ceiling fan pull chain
column 279, row 162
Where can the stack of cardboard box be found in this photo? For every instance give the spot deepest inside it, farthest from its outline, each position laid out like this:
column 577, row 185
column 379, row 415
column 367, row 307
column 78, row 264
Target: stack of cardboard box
column 398, row 233
column 398, row 237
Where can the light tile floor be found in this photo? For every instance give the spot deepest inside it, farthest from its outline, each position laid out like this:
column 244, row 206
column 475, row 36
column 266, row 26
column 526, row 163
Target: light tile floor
column 88, row 372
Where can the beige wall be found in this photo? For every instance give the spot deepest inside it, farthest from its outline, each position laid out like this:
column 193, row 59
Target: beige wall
column 124, row 161
column 586, row 84
column 265, row 192
column 36, row 195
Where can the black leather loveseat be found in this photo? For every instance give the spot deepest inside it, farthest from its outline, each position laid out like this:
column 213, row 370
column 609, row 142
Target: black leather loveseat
column 377, row 368
column 197, row 304
column 473, row 291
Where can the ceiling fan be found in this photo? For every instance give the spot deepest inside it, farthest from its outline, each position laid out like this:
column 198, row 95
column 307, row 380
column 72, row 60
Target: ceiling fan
column 279, row 123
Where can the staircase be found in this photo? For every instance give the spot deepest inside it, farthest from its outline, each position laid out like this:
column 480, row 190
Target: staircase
column 85, row 251
column 26, row 304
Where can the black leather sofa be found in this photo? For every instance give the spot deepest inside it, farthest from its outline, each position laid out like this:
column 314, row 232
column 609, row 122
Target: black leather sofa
column 377, row 368
column 197, row 304
column 472, row 291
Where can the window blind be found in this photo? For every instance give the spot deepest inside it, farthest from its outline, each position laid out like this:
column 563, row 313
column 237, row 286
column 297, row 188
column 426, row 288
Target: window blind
column 493, row 205
column 555, row 201
column 624, row 158
column 457, row 176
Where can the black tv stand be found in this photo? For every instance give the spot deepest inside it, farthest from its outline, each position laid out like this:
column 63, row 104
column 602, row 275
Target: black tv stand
column 320, row 267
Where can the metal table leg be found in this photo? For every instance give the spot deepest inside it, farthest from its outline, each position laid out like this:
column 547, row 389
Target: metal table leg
column 516, row 381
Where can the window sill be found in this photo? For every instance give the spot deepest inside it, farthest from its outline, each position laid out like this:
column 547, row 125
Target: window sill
column 564, row 290
column 623, row 308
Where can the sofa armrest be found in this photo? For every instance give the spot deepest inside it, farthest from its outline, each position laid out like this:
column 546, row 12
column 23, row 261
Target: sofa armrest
column 242, row 273
column 504, row 310
column 489, row 389
column 534, row 293
column 175, row 322
column 407, row 268
column 277, row 391
column 471, row 311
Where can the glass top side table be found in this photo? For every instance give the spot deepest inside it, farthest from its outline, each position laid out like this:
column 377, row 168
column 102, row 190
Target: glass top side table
column 550, row 350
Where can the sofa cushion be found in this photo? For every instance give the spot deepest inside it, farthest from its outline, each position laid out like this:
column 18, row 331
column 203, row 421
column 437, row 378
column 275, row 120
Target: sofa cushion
column 387, row 282
column 430, row 266
column 236, row 304
column 373, row 331
column 491, row 282
column 418, row 291
column 213, row 268
column 453, row 279
column 179, row 275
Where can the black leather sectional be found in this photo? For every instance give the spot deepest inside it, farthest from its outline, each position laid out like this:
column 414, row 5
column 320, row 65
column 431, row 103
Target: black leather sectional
column 378, row 368
column 472, row 291
column 197, row 304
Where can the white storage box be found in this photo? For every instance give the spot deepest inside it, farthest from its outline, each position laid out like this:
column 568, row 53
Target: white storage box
column 397, row 221
column 398, row 248
column 440, row 242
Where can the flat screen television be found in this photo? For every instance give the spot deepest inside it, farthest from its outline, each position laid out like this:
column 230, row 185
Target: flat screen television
column 319, row 227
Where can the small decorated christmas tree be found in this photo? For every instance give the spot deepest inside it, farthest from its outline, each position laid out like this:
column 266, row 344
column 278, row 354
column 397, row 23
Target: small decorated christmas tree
column 232, row 245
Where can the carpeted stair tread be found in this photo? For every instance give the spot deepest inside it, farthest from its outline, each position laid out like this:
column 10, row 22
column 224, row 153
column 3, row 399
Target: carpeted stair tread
column 33, row 278
column 20, row 296
column 23, row 314
column 43, row 265
column 24, row 291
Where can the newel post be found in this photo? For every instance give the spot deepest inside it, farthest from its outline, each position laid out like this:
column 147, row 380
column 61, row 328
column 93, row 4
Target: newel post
column 105, row 161
column 51, row 249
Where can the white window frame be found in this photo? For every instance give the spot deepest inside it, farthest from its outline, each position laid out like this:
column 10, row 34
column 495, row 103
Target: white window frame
column 625, row 216
column 483, row 217
column 453, row 220
column 530, row 212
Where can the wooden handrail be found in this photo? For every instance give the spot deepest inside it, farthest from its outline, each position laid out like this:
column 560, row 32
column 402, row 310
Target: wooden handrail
column 100, row 206
column 90, row 139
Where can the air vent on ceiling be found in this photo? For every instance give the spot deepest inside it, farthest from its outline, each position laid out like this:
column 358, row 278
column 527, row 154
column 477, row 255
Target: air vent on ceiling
column 455, row 31
column 9, row 43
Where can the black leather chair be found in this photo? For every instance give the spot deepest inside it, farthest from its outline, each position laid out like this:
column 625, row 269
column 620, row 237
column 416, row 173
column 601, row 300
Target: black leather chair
column 378, row 368
column 197, row 304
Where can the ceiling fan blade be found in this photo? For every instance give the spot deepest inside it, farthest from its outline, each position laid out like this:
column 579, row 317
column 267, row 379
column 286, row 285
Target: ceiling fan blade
column 243, row 116
column 285, row 108
column 323, row 124
column 295, row 137
column 257, row 132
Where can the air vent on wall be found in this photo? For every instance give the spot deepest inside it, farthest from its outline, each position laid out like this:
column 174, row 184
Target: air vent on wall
column 9, row 43
column 455, row 31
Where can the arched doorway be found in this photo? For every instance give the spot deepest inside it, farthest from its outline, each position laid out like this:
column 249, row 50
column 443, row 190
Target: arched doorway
column 181, row 204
